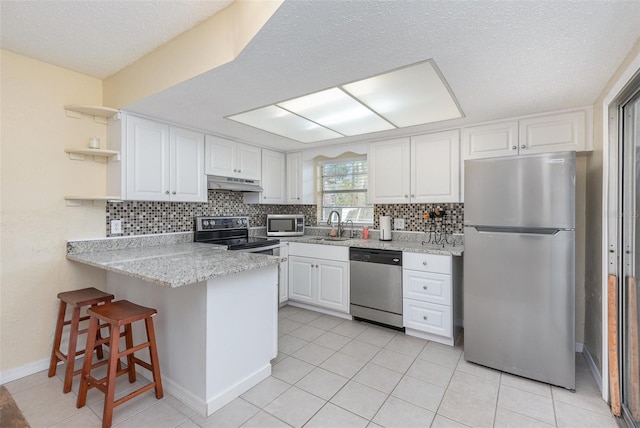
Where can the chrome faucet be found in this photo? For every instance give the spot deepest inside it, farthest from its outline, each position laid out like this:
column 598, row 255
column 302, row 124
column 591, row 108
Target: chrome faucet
column 351, row 231
column 340, row 230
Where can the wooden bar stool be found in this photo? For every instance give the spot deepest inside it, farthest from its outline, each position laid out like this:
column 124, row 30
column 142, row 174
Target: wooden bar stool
column 118, row 314
column 78, row 299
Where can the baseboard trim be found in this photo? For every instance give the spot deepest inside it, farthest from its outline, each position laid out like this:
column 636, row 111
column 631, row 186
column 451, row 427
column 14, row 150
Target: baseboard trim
column 24, row 371
column 592, row 365
column 225, row 397
column 319, row 309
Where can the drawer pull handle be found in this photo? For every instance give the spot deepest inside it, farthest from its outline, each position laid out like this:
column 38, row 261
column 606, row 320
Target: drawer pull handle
column 424, row 263
column 424, row 287
column 424, row 317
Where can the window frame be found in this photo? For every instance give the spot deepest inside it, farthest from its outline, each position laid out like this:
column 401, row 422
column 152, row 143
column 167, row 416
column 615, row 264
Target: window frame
column 320, row 190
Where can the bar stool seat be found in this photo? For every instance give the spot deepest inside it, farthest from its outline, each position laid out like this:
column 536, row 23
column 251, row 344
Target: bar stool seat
column 77, row 299
column 119, row 314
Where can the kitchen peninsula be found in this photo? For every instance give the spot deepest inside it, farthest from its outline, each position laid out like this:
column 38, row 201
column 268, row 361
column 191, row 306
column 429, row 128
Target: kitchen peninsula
column 216, row 325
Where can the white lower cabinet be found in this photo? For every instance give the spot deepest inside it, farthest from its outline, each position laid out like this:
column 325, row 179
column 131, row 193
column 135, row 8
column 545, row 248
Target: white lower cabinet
column 432, row 296
column 319, row 276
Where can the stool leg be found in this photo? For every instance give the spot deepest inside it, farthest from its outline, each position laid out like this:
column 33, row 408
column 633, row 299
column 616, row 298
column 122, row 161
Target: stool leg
column 86, row 368
column 114, row 357
column 57, row 338
column 153, row 354
column 99, row 351
column 71, row 353
column 128, row 336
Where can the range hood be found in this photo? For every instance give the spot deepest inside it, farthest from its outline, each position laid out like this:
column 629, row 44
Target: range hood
column 215, row 182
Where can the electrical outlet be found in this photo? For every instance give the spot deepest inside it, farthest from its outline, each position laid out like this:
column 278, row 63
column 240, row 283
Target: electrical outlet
column 398, row 223
column 116, row 226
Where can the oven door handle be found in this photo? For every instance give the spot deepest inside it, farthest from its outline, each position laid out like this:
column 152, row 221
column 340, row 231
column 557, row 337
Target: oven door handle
column 258, row 249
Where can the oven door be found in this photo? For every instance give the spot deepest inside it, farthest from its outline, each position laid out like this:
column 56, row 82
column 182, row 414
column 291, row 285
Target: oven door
column 271, row 250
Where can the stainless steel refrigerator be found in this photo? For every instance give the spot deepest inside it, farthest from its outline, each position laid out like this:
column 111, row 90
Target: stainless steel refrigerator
column 519, row 265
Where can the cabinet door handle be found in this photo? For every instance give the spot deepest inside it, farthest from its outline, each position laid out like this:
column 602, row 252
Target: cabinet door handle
column 424, row 317
column 406, row 196
column 166, row 193
column 235, row 170
column 239, row 171
column 424, row 287
column 514, row 148
column 174, row 192
column 523, row 146
column 413, row 196
column 424, row 263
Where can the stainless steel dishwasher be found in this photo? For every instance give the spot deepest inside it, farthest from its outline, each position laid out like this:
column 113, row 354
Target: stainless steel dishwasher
column 376, row 285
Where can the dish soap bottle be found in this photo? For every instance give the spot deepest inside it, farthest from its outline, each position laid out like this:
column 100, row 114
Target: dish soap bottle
column 365, row 232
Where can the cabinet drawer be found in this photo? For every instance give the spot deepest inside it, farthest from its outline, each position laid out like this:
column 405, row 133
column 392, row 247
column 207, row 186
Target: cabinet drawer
column 427, row 262
column 427, row 287
column 427, row 317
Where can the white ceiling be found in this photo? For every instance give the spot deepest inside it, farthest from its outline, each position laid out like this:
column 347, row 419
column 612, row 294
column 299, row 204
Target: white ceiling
column 501, row 59
column 97, row 37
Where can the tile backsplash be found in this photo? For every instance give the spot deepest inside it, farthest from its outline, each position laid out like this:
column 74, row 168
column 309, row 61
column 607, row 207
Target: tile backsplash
column 145, row 218
column 413, row 216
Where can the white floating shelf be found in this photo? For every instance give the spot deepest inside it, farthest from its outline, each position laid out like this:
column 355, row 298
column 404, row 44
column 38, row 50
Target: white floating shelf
column 99, row 155
column 76, row 201
column 100, row 114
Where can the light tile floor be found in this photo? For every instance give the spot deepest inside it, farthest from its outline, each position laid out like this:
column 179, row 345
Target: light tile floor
column 336, row 373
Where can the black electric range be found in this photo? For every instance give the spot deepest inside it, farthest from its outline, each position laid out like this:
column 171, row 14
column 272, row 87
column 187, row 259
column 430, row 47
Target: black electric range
column 234, row 233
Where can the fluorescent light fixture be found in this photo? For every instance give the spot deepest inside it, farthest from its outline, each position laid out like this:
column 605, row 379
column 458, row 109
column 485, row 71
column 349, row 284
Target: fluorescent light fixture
column 412, row 95
column 279, row 121
column 409, row 96
column 334, row 109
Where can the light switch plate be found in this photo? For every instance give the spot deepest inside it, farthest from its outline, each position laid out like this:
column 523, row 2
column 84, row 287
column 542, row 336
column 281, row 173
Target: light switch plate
column 398, row 223
column 116, row 226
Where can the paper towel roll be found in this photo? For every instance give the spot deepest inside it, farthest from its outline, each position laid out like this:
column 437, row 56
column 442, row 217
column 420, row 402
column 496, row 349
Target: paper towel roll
column 385, row 228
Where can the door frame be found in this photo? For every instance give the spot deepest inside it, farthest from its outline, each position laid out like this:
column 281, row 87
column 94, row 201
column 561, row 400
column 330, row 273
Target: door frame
column 610, row 194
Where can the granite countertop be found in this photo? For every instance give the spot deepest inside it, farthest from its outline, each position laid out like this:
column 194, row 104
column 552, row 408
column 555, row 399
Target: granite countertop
column 169, row 264
column 455, row 249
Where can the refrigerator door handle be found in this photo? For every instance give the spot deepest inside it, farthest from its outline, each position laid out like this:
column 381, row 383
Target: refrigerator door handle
column 519, row 230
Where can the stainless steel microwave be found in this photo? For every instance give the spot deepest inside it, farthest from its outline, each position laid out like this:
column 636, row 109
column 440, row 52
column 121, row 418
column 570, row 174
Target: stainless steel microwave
column 285, row 224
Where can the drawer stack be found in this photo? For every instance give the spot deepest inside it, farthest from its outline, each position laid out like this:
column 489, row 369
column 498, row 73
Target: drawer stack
column 428, row 297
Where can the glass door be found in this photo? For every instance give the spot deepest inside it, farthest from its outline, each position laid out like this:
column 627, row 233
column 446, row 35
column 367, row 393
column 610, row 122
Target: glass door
column 629, row 287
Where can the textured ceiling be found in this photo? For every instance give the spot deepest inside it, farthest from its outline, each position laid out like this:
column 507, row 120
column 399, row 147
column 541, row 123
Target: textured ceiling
column 501, row 59
column 97, row 37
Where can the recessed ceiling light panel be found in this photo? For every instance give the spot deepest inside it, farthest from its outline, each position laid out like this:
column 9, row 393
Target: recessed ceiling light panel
column 409, row 96
column 336, row 110
column 279, row 121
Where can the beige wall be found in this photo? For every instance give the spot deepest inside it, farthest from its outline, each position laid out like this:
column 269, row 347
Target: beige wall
column 212, row 43
column 35, row 174
column 594, row 219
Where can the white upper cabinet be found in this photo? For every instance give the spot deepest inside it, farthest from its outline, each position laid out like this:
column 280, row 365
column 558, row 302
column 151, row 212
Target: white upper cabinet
column 487, row 141
column 147, row 158
column 188, row 181
column 389, row 171
column 294, row 178
column 541, row 134
column 273, row 177
column 560, row 132
column 230, row 159
column 422, row 169
column 435, row 167
column 160, row 162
